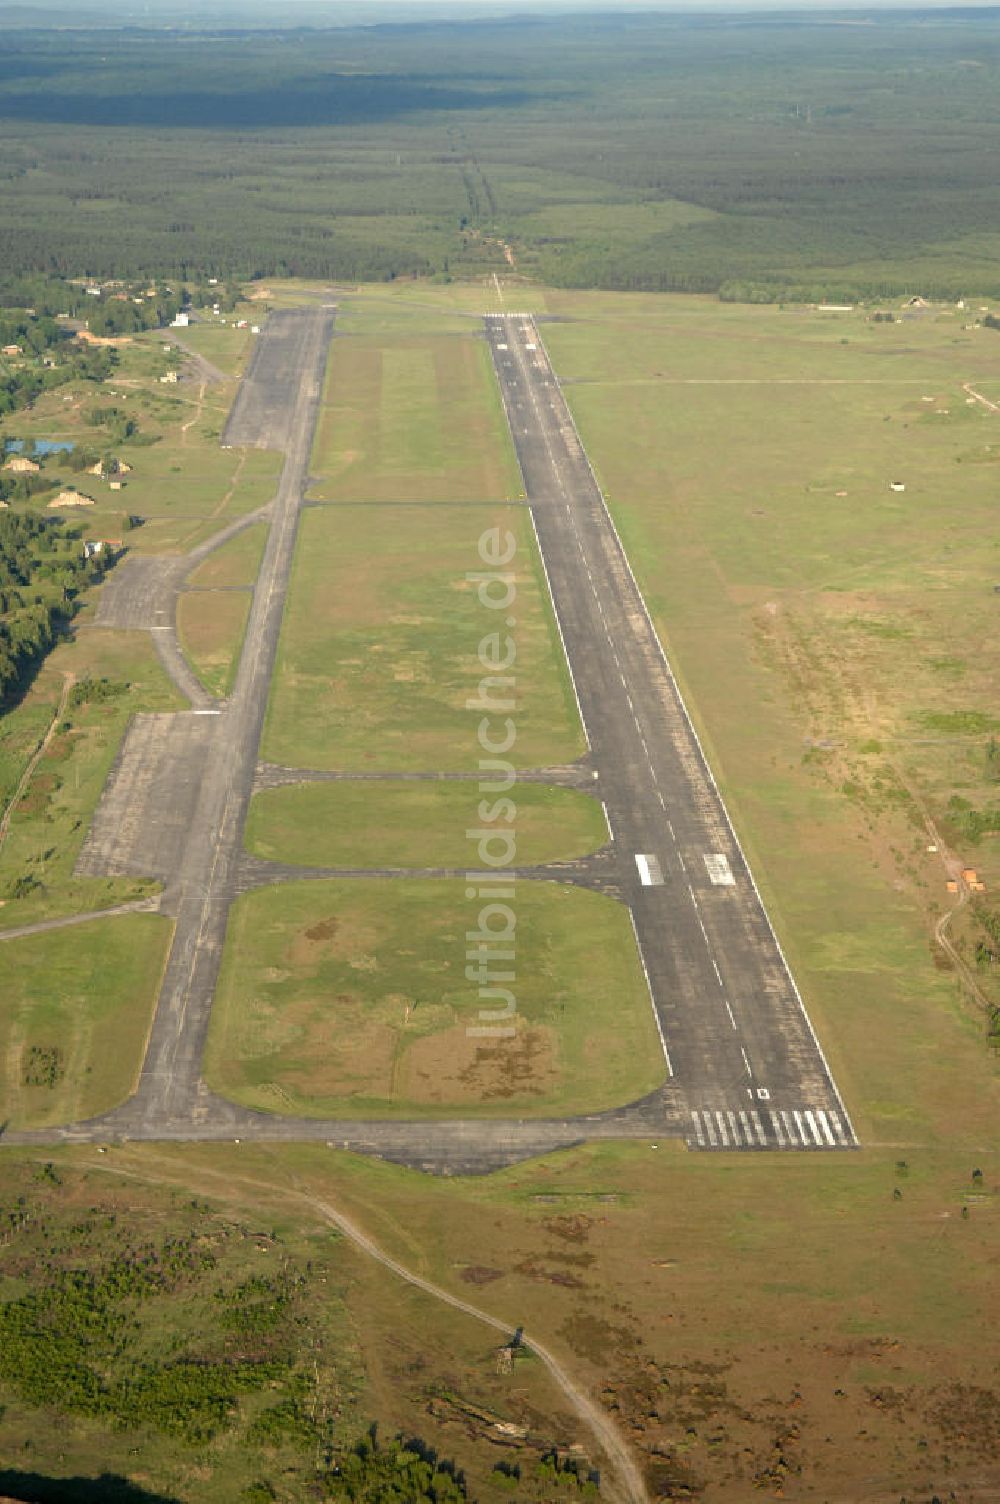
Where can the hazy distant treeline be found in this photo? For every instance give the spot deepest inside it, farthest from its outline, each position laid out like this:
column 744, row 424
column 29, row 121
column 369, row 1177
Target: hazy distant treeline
column 768, row 157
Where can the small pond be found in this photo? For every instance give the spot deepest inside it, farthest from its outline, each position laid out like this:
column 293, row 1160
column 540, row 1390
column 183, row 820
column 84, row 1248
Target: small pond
column 42, row 446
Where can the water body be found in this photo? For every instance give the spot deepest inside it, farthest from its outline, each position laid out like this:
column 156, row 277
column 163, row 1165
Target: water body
column 42, row 446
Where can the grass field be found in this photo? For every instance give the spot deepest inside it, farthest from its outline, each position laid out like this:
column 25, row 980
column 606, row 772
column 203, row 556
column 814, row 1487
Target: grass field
column 184, row 488
column 212, row 616
column 211, row 624
column 223, row 344
column 181, row 485
column 235, row 563
column 378, row 652
column 844, row 671
column 757, row 1325
column 414, row 418
column 416, row 824
column 77, row 1006
column 351, row 998
column 754, row 1324
column 50, row 823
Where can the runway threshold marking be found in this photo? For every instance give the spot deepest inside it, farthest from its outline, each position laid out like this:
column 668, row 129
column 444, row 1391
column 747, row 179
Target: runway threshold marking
column 650, row 874
column 811, row 1128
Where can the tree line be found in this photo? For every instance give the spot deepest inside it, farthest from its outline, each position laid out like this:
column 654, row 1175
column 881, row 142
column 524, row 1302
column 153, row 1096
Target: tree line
column 42, row 572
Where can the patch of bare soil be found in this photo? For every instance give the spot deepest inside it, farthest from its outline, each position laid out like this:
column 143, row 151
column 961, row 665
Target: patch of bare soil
column 329, row 939
column 339, row 1051
column 481, row 1274
column 723, row 1430
column 450, row 1067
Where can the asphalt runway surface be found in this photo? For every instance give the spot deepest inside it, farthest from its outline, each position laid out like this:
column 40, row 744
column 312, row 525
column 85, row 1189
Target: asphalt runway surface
column 733, row 1029
column 216, row 743
column 742, row 1067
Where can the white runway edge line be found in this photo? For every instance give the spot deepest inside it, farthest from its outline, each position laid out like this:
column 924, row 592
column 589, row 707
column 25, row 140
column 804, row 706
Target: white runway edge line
column 576, row 696
column 579, row 709
column 541, row 560
column 555, row 612
column 704, row 759
column 652, row 1002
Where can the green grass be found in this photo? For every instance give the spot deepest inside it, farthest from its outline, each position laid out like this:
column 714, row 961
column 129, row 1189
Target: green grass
column 790, row 1303
column 185, row 497
column 235, row 563
column 212, row 616
column 415, row 418
column 414, row 310
column 182, row 485
column 21, row 731
column 77, row 1007
column 237, row 1340
column 224, row 345
column 378, row 653
column 721, row 436
column 211, row 625
column 205, row 1333
column 417, row 824
column 51, row 822
column 351, row 998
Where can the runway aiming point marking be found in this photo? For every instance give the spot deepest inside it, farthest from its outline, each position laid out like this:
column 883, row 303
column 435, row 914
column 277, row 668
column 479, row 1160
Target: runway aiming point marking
column 650, row 874
column 718, row 870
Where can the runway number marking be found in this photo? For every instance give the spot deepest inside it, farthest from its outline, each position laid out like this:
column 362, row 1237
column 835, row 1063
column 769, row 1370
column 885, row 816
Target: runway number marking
column 650, row 874
column 717, row 866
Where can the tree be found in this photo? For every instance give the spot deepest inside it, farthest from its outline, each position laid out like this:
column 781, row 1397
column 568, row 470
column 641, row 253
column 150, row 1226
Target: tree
column 395, row 1473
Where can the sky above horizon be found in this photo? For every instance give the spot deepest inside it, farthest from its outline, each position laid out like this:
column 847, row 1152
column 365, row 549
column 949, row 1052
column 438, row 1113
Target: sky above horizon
column 280, row 9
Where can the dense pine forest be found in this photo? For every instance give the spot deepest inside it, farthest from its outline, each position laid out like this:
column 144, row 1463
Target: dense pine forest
column 759, row 156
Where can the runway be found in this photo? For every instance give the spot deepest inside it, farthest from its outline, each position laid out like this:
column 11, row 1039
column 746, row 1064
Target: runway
column 742, row 1067
column 277, row 404
column 735, row 1035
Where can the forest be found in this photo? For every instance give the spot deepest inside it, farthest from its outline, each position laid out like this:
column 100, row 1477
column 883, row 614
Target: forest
column 42, row 571
column 761, row 157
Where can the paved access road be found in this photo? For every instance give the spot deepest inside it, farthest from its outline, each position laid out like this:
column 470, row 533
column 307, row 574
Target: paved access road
column 733, row 1028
